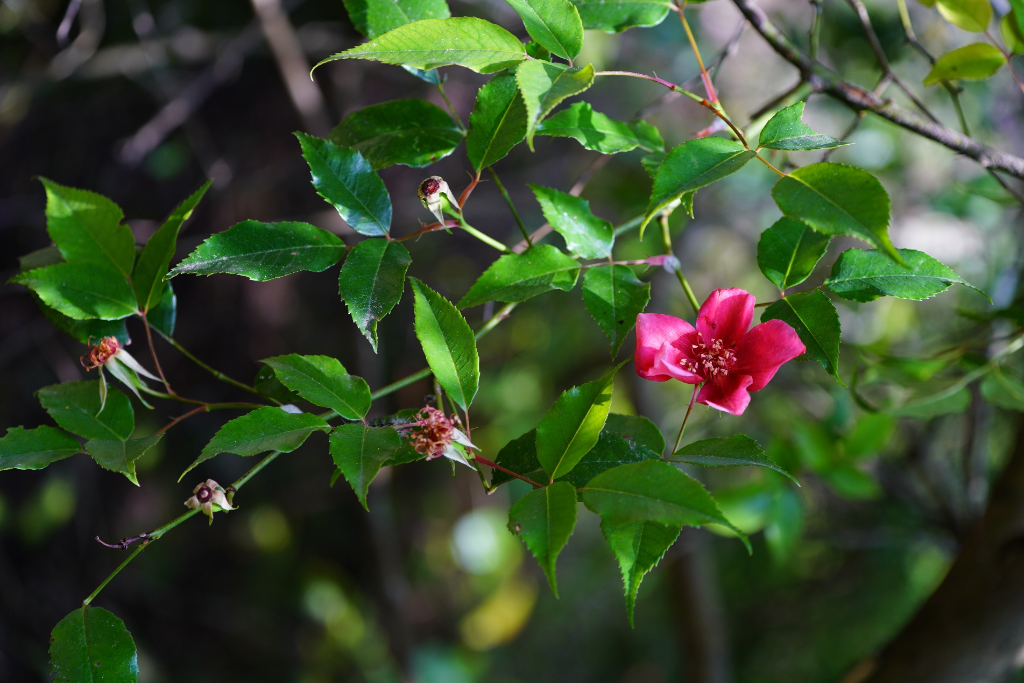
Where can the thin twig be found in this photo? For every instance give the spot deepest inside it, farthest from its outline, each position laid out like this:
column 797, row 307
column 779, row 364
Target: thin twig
column 152, row 352
column 509, row 472
column 512, row 207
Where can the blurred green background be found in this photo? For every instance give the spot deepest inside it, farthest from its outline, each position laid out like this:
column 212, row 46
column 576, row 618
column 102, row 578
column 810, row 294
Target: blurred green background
column 145, row 99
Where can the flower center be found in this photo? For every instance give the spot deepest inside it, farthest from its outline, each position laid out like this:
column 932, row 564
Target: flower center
column 100, row 353
column 432, row 433
column 709, row 359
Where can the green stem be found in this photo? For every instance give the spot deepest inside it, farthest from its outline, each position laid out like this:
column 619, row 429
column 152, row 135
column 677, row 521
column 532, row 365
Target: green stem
column 490, row 241
column 216, row 373
column 666, row 240
column 107, row 580
column 455, row 114
column 682, row 427
column 512, row 207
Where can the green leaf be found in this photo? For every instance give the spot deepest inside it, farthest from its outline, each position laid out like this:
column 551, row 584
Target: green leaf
column 348, row 183
column 82, row 291
column 610, row 451
column 614, row 296
column 262, row 430
column 651, row 163
column 264, row 251
column 655, row 491
column 544, row 85
column 835, row 199
column 1012, row 28
column 998, row 389
column 448, row 344
column 865, row 275
column 974, row 62
column 573, row 424
column 164, row 316
column 637, row 429
column 787, row 131
column 148, row 276
column 586, row 235
column 616, row 16
column 970, row 15
column 691, row 166
column 816, row 321
column 430, row 43
column 360, row 451
column 638, row 547
column 84, row 330
column 409, row 132
column 788, row 251
column 91, row 645
column 520, row 456
column 268, row 385
column 517, row 277
column 75, row 406
column 731, row 451
column 34, row 449
column 600, row 133
column 119, row 455
column 498, row 122
column 938, row 403
column 375, row 17
column 87, row 228
column 544, row 519
column 555, row 24
column 323, row 381
column 371, row 282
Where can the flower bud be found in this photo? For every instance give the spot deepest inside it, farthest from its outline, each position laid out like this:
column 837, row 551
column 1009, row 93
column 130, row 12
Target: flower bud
column 436, row 197
column 209, row 497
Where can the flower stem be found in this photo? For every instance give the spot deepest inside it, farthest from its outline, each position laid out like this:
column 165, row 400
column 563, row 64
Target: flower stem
column 508, row 200
column 107, row 580
column 216, row 373
column 666, row 239
column 682, row 427
column 152, row 352
column 708, row 87
column 490, row 241
column 455, row 114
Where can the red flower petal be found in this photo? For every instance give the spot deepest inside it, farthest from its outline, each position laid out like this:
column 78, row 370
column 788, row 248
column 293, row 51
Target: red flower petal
column 658, row 351
column 764, row 348
column 726, row 315
column 726, row 393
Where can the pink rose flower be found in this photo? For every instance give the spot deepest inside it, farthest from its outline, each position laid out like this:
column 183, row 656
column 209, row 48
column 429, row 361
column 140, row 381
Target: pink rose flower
column 723, row 353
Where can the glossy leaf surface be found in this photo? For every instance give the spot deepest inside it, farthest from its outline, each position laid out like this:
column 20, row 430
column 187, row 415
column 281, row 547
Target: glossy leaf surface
column 544, row 519
column 586, row 235
column 498, row 122
column 409, row 132
column 323, row 381
column 517, row 277
column 371, row 282
column 614, row 296
column 544, row 85
column 360, row 451
column 448, row 344
column 638, row 547
column 787, row 131
column 599, row 132
column 730, row 451
column 865, row 275
column 788, row 251
column 816, row 322
column 91, row 645
column 34, row 449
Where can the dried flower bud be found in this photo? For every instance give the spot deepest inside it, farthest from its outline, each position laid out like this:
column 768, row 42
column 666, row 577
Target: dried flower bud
column 111, row 355
column 434, row 193
column 209, row 497
column 434, row 435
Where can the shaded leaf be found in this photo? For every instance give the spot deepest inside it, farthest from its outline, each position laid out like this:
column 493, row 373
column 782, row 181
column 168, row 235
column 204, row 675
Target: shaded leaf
column 638, row 547
column 498, row 122
column 165, row 315
column 998, row 389
column 865, row 275
column 75, row 406
column 974, row 62
column 264, row 251
column 938, row 403
column 731, row 451
column 544, row 85
column 87, row 228
column 448, row 344
column 816, row 321
column 84, row 330
column 787, row 131
column 835, row 199
column 430, row 43
column 555, row 24
column 586, row 235
column 655, row 491
column 34, row 449
column 691, row 166
column 614, row 296
column 323, row 381
column 155, row 259
column 544, row 519
column 262, row 430
column 517, row 277
column 571, row 427
column 82, row 291
column 637, row 429
column 520, row 456
column 788, row 251
column 359, row 452
column 610, row 451
column 615, row 16
column 600, row 133
column 348, row 183
column 91, row 645
column 409, row 132
column 371, row 282
column 1012, row 28
column 375, row 17
column 119, row 455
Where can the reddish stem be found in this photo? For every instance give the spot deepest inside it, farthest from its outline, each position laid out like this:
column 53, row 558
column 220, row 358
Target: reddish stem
column 433, row 227
column 152, row 352
column 464, row 197
column 495, row 466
